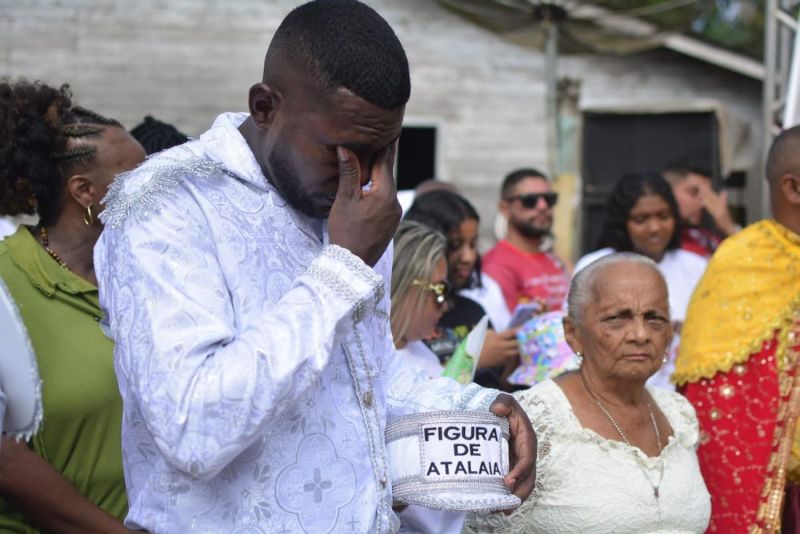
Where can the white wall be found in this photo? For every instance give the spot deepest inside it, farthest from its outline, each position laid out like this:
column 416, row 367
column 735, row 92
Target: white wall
column 184, row 61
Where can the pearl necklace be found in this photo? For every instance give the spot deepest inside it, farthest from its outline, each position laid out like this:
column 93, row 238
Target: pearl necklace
column 46, row 246
column 634, row 451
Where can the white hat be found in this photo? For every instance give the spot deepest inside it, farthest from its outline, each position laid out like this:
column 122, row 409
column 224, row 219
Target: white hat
column 450, row 460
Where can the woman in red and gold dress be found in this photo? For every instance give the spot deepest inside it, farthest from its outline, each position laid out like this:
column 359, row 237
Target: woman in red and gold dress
column 738, row 360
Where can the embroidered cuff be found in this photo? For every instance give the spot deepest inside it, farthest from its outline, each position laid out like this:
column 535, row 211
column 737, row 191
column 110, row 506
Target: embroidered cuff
column 348, row 277
column 352, row 262
column 475, row 397
column 21, row 403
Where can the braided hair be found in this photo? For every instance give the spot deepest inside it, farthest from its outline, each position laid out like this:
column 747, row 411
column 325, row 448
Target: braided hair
column 43, row 138
column 155, row 135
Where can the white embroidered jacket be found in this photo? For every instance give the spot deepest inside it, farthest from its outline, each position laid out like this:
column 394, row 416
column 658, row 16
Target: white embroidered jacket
column 255, row 360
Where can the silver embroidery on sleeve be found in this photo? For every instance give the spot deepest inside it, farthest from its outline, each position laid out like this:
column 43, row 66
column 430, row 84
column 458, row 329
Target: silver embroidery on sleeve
column 333, row 282
column 473, row 391
column 342, row 287
column 352, row 262
column 125, row 199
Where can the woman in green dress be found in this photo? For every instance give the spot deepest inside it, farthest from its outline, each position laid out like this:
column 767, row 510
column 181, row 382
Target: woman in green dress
column 56, row 161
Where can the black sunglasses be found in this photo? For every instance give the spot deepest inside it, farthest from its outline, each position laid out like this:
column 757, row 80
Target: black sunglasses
column 531, row 200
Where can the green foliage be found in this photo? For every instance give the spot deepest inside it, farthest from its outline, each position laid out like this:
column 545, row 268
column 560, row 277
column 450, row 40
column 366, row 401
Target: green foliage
column 737, row 25
column 734, row 24
column 671, row 15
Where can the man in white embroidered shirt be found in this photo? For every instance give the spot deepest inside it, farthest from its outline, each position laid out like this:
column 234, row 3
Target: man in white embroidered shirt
column 244, row 276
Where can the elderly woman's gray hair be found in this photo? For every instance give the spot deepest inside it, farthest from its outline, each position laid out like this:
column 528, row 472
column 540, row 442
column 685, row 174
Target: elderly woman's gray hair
column 581, row 288
column 417, row 250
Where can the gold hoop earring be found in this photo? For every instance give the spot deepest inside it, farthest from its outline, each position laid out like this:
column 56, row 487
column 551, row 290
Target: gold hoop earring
column 88, row 217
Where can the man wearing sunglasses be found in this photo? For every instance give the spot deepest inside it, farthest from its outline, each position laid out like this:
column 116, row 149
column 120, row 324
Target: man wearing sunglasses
column 520, row 263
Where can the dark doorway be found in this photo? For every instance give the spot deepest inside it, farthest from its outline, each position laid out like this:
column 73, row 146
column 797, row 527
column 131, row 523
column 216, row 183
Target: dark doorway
column 416, row 156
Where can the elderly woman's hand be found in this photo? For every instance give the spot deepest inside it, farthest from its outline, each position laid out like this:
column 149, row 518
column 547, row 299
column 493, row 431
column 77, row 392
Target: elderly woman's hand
column 522, row 474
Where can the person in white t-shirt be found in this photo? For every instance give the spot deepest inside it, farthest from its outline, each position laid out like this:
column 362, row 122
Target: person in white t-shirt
column 642, row 216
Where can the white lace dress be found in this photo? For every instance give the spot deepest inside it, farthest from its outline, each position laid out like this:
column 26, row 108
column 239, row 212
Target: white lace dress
column 586, row 483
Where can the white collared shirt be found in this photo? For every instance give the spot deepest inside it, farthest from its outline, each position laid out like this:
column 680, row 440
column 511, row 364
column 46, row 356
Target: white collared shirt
column 254, row 359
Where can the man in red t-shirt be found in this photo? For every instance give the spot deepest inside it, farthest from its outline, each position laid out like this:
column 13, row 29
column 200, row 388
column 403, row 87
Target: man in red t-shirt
column 517, row 263
column 695, row 196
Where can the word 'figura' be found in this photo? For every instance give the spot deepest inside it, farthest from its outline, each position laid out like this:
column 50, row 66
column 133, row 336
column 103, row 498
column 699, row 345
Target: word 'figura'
column 458, row 433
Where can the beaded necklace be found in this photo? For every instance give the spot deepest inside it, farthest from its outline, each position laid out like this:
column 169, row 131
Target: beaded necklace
column 46, row 246
column 634, row 451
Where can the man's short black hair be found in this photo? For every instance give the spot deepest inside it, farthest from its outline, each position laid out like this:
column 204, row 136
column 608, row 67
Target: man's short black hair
column 155, row 135
column 342, row 43
column 782, row 154
column 515, row 177
column 677, row 172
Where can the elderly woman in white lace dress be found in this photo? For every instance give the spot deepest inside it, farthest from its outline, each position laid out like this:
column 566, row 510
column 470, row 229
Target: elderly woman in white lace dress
column 615, row 456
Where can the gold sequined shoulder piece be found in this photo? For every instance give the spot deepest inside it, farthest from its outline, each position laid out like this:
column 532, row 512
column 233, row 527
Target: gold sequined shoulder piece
column 749, row 294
